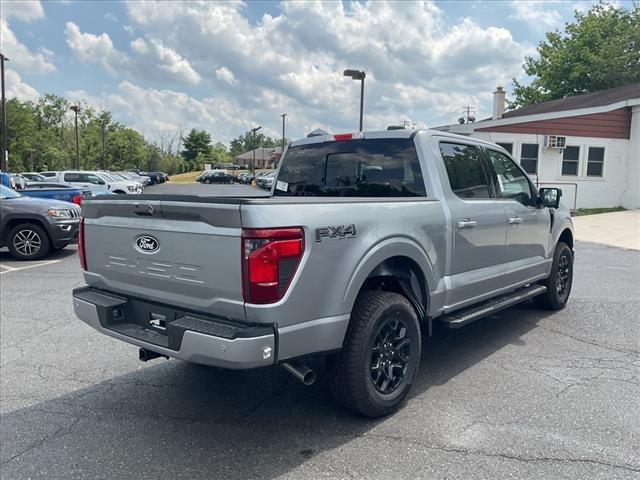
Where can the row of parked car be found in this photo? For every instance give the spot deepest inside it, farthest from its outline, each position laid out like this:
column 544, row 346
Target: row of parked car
column 263, row 179
column 40, row 212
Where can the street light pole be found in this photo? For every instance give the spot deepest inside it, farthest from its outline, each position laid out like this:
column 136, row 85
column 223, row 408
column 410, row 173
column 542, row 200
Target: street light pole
column 253, row 163
column 76, row 109
column 283, row 137
column 103, row 163
column 358, row 75
column 3, row 160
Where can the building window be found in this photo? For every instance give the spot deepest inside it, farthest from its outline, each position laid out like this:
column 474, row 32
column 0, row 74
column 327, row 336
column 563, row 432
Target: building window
column 570, row 158
column 595, row 161
column 507, row 146
column 529, row 158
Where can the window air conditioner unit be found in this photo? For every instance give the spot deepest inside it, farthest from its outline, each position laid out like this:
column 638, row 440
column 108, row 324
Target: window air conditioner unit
column 555, row 141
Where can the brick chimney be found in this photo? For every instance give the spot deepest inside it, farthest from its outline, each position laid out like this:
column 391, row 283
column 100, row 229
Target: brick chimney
column 498, row 103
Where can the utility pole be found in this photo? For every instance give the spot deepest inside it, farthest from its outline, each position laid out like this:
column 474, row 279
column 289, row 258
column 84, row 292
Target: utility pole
column 283, row 137
column 253, row 163
column 103, row 163
column 5, row 155
column 76, row 109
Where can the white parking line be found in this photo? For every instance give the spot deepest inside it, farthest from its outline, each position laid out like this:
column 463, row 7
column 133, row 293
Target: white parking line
column 15, row 269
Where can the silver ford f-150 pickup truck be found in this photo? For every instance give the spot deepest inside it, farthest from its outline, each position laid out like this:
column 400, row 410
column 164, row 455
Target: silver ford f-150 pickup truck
column 365, row 240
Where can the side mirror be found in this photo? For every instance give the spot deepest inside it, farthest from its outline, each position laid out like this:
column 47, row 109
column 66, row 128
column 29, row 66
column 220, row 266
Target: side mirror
column 550, row 197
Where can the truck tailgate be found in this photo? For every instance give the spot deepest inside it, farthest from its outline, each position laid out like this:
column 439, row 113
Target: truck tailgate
column 185, row 254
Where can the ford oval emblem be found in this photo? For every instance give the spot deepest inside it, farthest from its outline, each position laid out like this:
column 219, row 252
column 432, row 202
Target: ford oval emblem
column 147, row 244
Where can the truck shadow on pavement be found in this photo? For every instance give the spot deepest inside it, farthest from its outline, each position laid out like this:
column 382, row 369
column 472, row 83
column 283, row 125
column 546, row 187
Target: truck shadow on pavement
column 171, row 419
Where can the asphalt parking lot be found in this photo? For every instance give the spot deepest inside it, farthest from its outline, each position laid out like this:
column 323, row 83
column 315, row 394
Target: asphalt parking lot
column 523, row 394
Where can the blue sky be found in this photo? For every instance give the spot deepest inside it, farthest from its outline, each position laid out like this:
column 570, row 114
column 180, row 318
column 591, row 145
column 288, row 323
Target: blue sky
column 225, row 67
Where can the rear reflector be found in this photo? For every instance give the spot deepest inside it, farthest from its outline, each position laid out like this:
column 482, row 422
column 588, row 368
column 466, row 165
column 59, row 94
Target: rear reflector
column 81, row 249
column 270, row 258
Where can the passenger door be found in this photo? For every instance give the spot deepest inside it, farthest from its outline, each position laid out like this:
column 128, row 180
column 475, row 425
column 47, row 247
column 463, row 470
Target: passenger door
column 528, row 225
column 478, row 227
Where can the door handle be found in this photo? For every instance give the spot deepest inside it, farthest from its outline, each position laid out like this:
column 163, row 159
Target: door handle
column 466, row 223
column 515, row 220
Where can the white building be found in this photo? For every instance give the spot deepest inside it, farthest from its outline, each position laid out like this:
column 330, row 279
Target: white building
column 588, row 145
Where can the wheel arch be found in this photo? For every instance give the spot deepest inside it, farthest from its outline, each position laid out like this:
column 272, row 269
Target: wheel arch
column 398, row 265
column 567, row 237
column 15, row 221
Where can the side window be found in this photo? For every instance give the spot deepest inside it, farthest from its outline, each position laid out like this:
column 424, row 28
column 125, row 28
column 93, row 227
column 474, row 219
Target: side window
column 570, row 158
column 71, row 177
column 507, row 146
column 529, row 158
column 467, row 176
column 512, row 182
column 90, row 178
column 595, row 161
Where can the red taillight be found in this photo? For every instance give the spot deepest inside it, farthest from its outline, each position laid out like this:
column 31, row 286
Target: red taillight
column 270, row 258
column 343, row 136
column 77, row 199
column 81, row 251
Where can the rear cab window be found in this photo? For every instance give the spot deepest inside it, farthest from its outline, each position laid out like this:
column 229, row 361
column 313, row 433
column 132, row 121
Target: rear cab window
column 354, row 168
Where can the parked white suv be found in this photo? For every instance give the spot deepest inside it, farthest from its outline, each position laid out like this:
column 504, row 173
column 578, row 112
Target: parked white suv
column 93, row 180
column 120, row 184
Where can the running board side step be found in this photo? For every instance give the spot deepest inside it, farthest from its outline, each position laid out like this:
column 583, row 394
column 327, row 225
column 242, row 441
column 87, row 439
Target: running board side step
column 467, row 315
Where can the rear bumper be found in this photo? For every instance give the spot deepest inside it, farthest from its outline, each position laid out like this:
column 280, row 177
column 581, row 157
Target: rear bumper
column 190, row 337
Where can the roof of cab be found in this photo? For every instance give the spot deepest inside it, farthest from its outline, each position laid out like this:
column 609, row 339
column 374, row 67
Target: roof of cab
column 378, row 134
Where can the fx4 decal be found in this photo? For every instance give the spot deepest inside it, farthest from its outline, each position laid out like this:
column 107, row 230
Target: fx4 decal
column 337, row 231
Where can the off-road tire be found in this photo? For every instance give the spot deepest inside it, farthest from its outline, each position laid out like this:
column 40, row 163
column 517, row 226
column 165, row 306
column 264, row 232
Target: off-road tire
column 350, row 371
column 559, row 281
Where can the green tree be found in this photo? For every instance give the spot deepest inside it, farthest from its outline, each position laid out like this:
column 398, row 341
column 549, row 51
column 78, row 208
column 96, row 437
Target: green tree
column 197, row 141
column 219, row 153
column 198, row 163
column 126, row 148
column 248, row 141
column 21, row 133
column 170, row 164
column 599, row 50
column 236, row 146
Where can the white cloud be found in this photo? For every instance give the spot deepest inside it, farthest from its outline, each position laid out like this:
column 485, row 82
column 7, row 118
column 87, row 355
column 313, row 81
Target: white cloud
column 95, row 48
column 27, row 10
column 151, row 58
column 20, row 56
column 226, row 75
column 294, row 60
column 17, row 88
column 154, row 54
column 538, row 14
column 418, row 66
